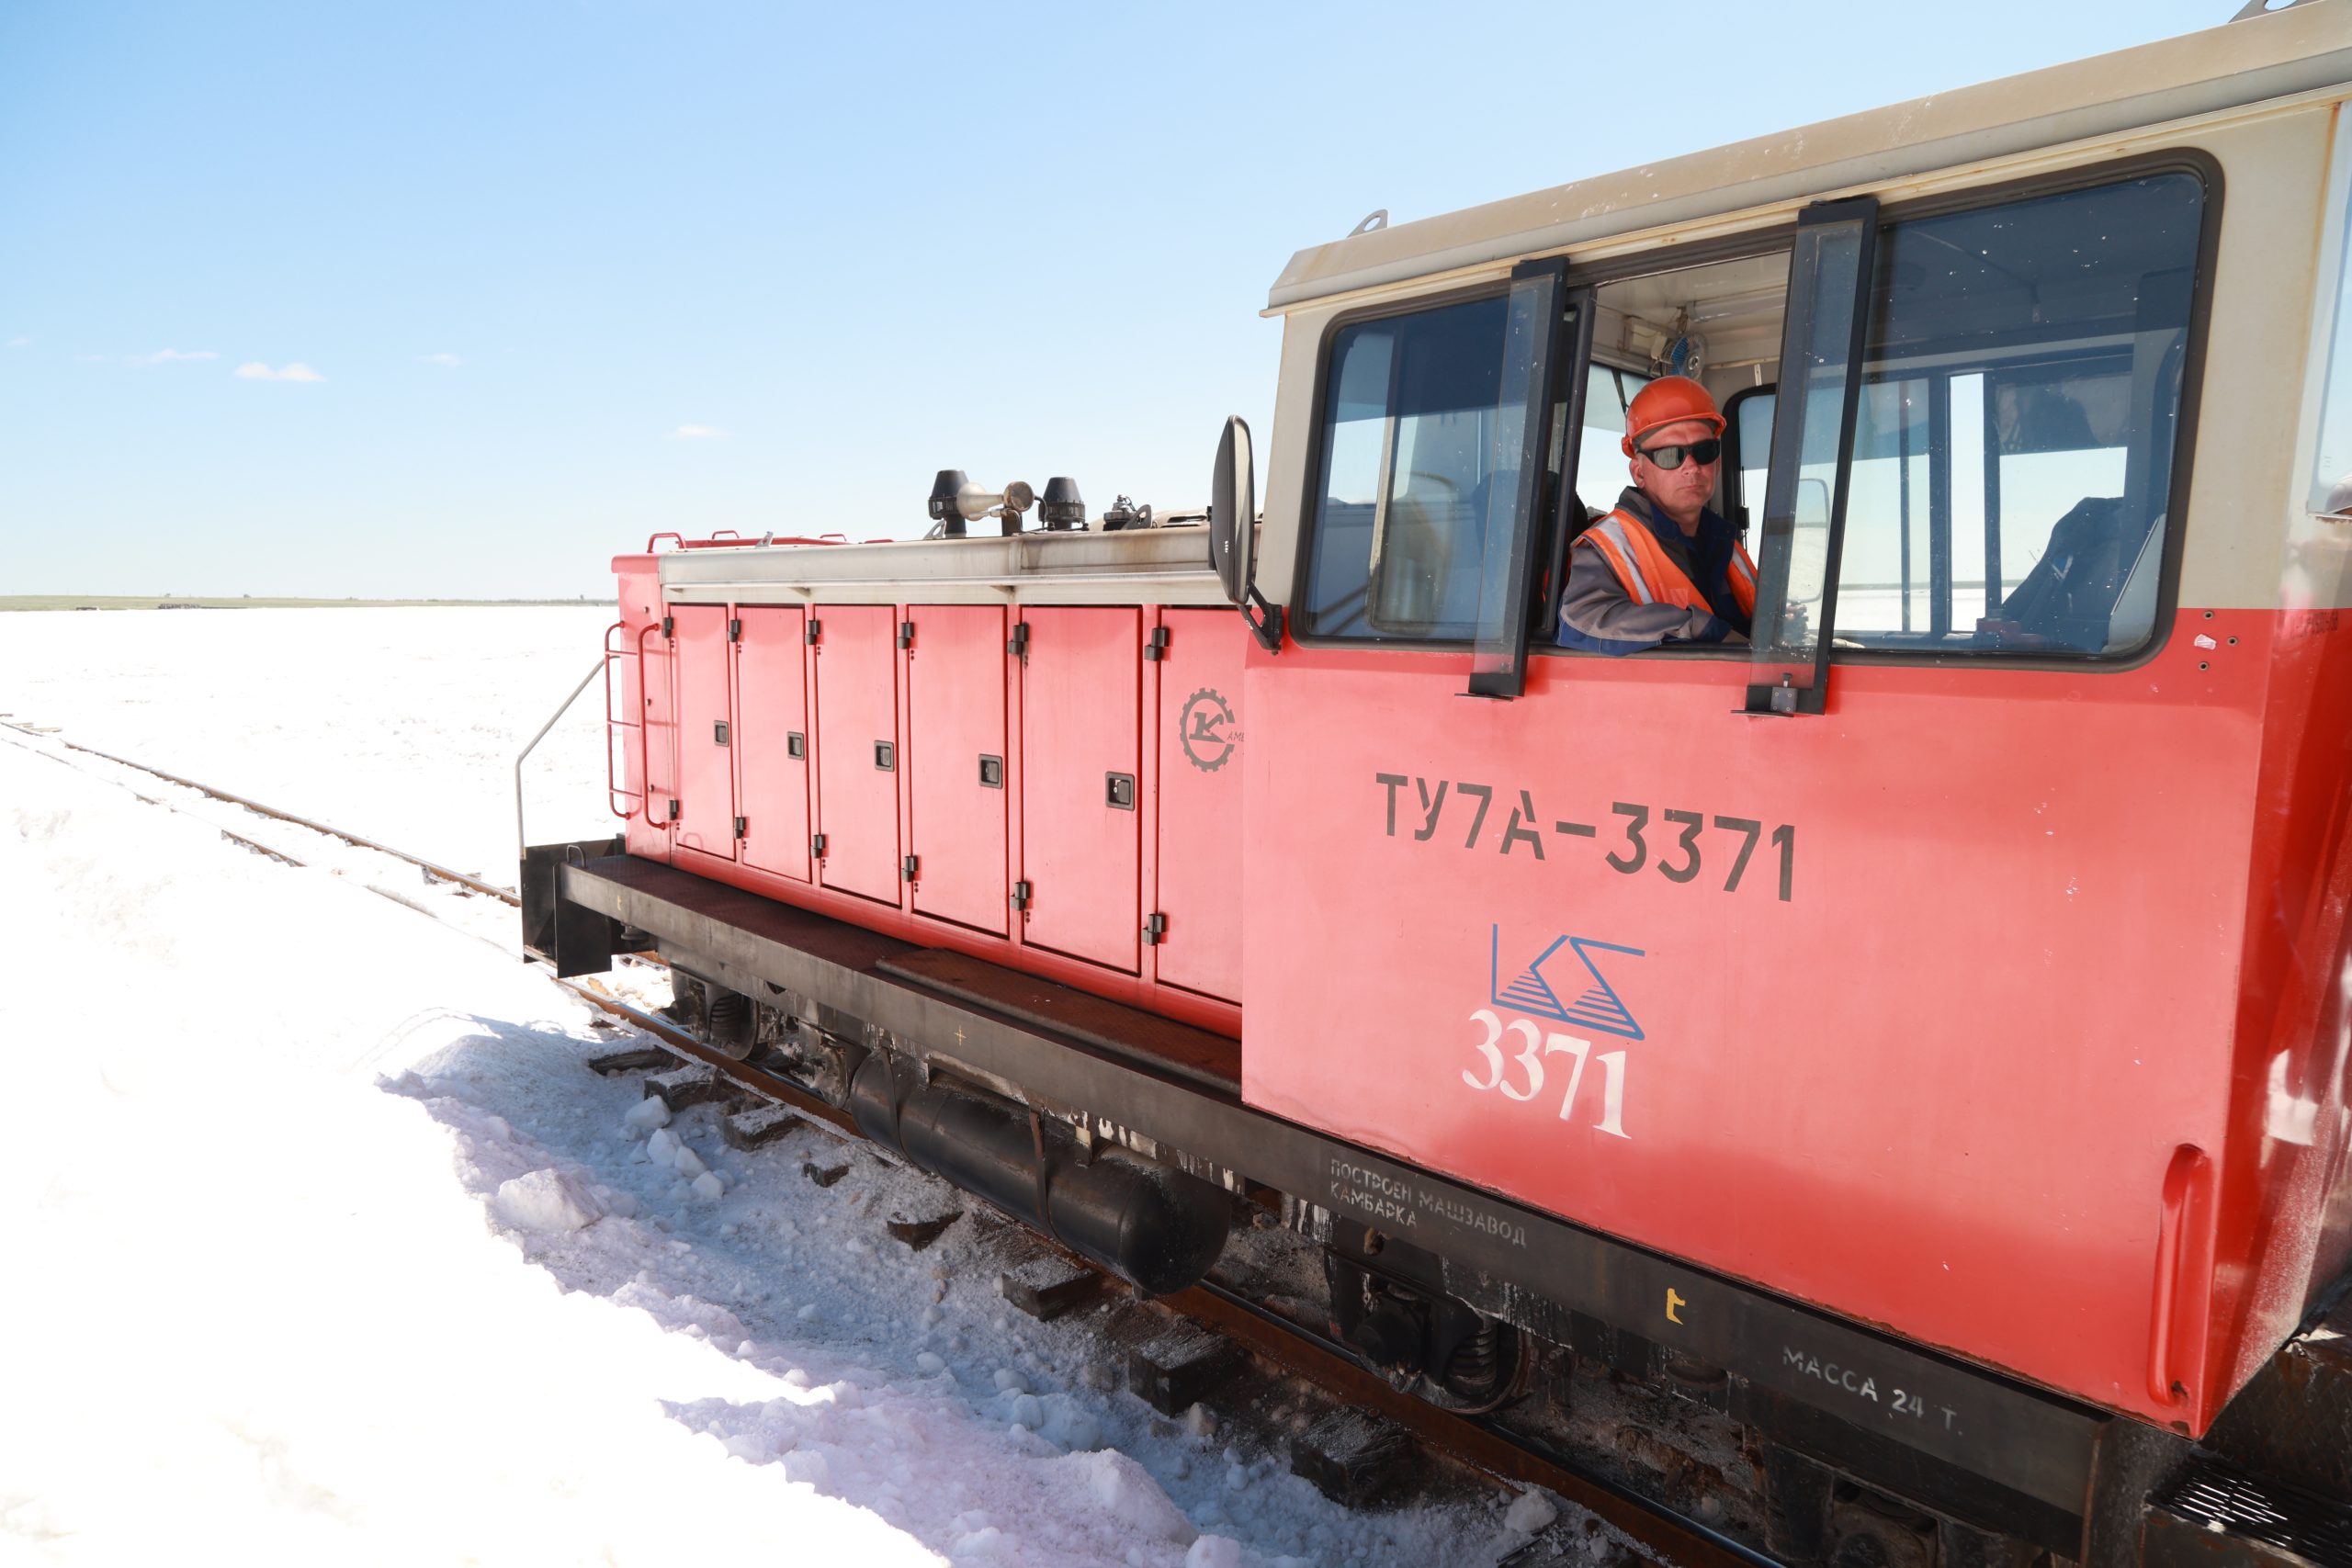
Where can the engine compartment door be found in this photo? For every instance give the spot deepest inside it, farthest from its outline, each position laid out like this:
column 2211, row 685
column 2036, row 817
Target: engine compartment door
column 857, row 748
column 1080, row 801
column 955, row 762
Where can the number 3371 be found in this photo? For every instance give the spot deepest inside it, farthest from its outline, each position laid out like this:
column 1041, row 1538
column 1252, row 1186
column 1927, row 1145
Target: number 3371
column 1520, row 1073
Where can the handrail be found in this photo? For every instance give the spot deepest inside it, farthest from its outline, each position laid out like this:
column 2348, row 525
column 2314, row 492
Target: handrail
column 522, row 839
column 705, row 589
column 2181, row 1177
column 613, row 791
column 726, row 539
column 644, row 741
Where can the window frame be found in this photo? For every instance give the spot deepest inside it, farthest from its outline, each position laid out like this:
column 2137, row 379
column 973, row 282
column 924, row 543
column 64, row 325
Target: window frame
column 2189, row 159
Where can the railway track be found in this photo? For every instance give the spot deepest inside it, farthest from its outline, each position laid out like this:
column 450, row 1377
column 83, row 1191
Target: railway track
column 1480, row 1444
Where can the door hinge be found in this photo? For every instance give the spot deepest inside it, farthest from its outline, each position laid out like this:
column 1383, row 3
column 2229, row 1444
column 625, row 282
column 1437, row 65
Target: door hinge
column 906, row 633
column 1018, row 645
column 734, row 628
column 1020, row 895
column 742, row 826
column 718, row 732
column 1154, row 928
column 907, row 867
column 817, row 846
column 809, row 637
column 1156, row 647
column 667, row 623
column 674, row 811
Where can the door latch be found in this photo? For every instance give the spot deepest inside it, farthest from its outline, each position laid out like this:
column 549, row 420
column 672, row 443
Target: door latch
column 1119, row 791
column 718, row 732
column 1154, row 928
column 1019, row 895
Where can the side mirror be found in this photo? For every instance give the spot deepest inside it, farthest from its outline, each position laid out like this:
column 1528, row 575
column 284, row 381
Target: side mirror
column 1233, row 532
column 1233, row 511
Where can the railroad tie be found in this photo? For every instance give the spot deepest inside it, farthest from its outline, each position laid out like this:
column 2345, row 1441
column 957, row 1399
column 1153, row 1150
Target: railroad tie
column 695, row 1084
column 1047, row 1286
column 635, row 1059
column 918, row 1234
column 759, row 1127
column 1171, row 1371
column 1351, row 1457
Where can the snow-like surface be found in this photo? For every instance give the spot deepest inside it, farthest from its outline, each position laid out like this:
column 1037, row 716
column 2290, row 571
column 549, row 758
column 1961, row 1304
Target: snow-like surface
column 323, row 1245
column 398, row 725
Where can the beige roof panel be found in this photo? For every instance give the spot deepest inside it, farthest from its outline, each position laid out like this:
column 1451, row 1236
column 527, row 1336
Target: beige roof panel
column 2277, row 55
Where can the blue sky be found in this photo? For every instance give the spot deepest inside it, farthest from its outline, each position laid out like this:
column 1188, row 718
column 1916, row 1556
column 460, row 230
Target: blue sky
column 471, row 297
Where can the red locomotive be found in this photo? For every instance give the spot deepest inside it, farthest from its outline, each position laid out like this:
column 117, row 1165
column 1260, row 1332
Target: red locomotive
column 1919, row 1035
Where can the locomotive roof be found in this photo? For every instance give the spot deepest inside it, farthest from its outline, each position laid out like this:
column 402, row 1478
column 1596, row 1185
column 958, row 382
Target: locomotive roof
column 2267, row 56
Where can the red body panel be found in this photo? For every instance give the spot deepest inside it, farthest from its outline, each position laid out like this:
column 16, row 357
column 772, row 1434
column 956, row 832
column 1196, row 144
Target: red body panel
column 1198, row 864
column 772, row 706
column 1940, row 1087
column 956, row 681
column 857, row 711
column 706, row 721
column 2284, row 1181
column 1079, row 689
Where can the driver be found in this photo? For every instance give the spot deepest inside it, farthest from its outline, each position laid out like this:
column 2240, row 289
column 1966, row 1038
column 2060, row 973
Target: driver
column 1662, row 567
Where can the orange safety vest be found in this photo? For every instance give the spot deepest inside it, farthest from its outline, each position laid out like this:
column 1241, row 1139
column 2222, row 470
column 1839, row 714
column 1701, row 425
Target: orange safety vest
column 1650, row 575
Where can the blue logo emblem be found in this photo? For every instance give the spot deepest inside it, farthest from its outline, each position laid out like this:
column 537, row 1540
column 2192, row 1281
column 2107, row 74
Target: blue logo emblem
column 1597, row 1004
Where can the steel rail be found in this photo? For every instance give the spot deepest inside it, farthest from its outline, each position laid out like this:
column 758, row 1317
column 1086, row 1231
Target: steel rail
column 504, row 895
column 1477, row 1440
column 755, row 1080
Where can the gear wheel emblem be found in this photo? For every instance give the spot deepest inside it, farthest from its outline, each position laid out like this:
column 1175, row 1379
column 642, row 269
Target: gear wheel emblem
column 1206, row 730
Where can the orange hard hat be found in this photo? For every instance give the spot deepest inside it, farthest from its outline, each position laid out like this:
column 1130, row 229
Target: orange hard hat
column 1670, row 399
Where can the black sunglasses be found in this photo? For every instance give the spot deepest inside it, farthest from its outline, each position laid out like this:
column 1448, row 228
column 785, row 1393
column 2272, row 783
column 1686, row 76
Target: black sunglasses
column 1669, row 456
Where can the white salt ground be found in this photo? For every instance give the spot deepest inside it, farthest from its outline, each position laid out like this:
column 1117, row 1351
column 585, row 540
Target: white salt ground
column 335, row 1252
column 399, row 725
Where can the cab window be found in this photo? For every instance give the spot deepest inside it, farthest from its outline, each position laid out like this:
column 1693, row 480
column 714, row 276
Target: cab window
column 2011, row 469
column 1411, row 432
column 1609, row 392
column 2008, row 487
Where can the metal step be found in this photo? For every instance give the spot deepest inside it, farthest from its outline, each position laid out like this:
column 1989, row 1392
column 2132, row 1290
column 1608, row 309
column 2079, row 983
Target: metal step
column 2293, row 1420
column 2212, row 1513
